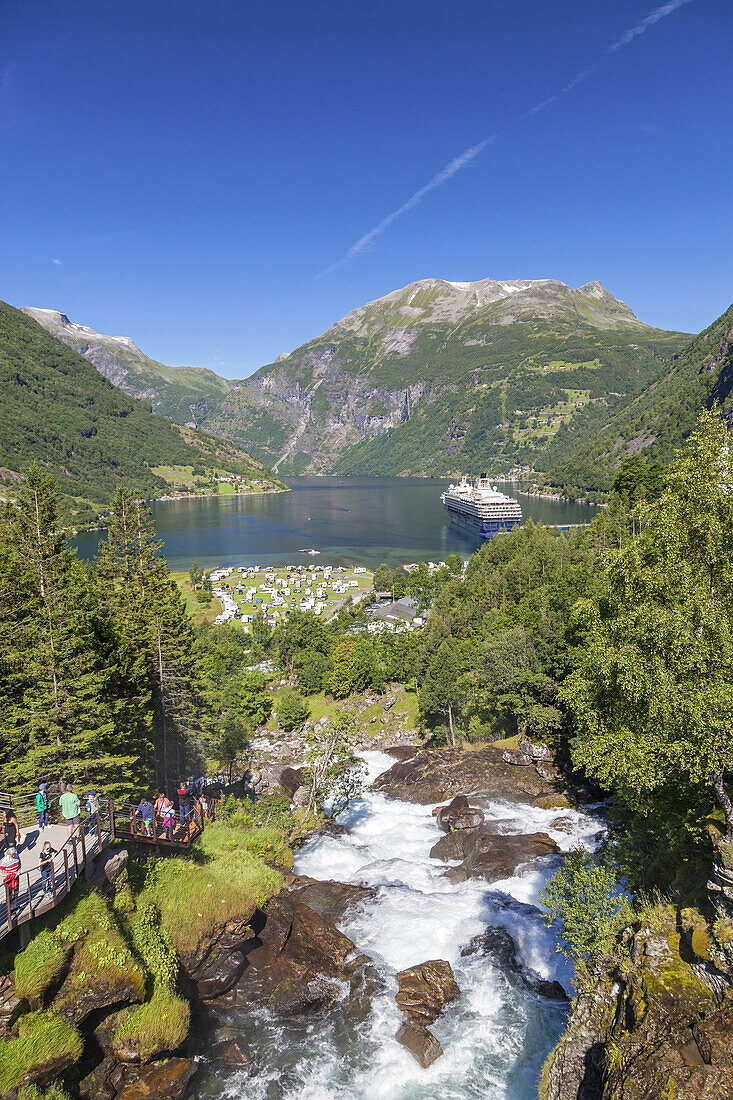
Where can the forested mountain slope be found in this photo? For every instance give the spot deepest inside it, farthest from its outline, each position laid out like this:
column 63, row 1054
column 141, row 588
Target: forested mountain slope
column 170, row 391
column 59, row 411
column 436, row 378
column 442, row 377
column 657, row 422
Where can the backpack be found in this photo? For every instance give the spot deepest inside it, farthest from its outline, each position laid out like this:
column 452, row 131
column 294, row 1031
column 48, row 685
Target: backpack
column 93, row 804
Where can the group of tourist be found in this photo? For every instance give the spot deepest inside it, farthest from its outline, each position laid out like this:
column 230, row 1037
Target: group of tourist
column 159, row 819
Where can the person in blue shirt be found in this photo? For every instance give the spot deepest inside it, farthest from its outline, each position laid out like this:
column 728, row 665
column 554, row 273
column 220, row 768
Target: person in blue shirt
column 145, row 809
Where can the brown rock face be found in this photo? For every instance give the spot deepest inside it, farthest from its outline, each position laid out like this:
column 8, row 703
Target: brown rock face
column 231, row 1052
column 425, row 990
column 497, row 856
column 291, row 960
column 163, row 1079
column 421, row 1043
column 434, row 775
column 459, row 815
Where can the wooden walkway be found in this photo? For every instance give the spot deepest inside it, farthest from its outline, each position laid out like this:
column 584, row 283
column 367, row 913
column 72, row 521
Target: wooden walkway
column 38, row 893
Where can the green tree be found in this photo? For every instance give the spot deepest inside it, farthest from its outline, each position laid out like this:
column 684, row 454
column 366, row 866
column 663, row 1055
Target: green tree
column 335, row 773
column 59, row 715
column 383, row 578
column 441, row 689
column 400, row 580
column 652, row 695
column 254, row 701
column 582, row 897
column 292, row 710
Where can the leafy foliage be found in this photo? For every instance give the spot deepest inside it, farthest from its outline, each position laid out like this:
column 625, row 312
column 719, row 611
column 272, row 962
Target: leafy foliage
column 582, row 898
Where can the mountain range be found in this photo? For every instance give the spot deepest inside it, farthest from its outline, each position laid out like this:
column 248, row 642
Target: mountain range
column 57, row 410
column 439, row 378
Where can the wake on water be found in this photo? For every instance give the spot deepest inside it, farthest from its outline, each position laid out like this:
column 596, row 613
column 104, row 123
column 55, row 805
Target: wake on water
column 495, row 1036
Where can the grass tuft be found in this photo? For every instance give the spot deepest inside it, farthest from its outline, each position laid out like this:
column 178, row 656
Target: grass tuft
column 38, row 966
column 160, row 1025
column 44, row 1041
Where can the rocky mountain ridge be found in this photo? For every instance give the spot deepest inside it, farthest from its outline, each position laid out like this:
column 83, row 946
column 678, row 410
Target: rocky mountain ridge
column 438, row 377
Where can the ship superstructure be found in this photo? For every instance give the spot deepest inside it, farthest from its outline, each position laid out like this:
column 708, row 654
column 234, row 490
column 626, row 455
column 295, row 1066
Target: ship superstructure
column 480, row 507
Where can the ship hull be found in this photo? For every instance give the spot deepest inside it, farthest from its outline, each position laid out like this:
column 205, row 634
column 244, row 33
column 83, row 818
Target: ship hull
column 484, row 528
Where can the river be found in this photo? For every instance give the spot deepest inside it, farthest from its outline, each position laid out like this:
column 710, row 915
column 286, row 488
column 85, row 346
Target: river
column 496, row 1036
column 357, row 520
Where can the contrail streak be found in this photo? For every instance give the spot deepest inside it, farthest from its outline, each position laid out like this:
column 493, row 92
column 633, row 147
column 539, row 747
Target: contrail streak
column 470, row 154
column 438, row 180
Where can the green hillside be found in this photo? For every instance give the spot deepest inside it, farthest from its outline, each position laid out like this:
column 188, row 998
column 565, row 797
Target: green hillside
column 657, row 422
column 56, row 409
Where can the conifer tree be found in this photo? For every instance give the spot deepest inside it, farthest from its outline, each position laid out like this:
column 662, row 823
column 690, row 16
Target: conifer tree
column 58, row 714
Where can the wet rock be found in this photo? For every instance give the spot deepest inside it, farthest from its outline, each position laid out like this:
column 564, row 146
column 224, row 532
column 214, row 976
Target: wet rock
column 430, row 776
column 498, row 945
column 516, row 757
column 553, row 802
column 169, row 1079
column 292, row 961
column 330, row 899
column 458, row 814
column 114, row 866
column 421, row 1043
column 425, row 990
column 495, row 856
column 231, row 1052
column 455, row 845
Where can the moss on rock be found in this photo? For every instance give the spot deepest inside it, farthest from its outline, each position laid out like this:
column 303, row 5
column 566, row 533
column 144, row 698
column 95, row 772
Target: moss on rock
column 38, row 966
column 46, row 1046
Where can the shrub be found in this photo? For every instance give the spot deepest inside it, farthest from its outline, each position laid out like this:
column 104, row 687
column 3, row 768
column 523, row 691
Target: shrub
column 38, row 966
column 292, row 710
column 161, row 1024
column 582, row 897
column 43, row 1040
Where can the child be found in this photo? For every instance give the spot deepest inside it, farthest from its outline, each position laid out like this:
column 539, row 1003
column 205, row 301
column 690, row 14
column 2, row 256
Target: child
column 46, row 862
column 168, row 817
column 145, row 809
column 93, row 808
column 10, row 866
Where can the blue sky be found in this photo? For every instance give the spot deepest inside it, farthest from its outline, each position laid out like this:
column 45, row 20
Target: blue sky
column 195, row 174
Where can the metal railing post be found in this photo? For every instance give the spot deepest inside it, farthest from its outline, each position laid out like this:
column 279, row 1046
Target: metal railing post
column 53, row 880
column 76, row 858
column 8, row 907
column 83, row 845
column 30, row 895
column 111, row 819
column 66, row 868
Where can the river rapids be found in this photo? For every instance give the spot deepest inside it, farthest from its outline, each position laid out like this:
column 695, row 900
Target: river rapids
column 496, row 1036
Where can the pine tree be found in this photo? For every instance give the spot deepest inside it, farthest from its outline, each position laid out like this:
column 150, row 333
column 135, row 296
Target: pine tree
column 58, row 718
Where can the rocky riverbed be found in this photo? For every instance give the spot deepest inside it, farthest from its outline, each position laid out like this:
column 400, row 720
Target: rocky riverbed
column 389, row 969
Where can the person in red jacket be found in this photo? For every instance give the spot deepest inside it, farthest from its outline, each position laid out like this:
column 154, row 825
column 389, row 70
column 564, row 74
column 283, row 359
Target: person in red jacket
column 10, row 867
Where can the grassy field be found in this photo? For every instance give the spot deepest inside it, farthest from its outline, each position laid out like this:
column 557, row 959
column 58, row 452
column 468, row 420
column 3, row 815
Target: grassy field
column 321, row 707
column 199, row 612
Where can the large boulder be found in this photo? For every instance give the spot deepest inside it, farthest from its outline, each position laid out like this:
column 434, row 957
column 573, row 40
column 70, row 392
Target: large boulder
column 536, row 751
column 429, row 776
column 425, row 990
column 497, row 856
column 421, row 1043
column 516, row 757
column 291, row 960
column 289, row 779
column 458, row 814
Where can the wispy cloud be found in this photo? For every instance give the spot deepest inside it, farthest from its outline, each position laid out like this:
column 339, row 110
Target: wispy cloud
column 459, row 162
column 467, row 157
column 57, row 261
column 649, row 21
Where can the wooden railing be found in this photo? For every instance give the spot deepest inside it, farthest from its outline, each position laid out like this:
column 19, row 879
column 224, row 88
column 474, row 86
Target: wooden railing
column 42, row 888
column 184, row 829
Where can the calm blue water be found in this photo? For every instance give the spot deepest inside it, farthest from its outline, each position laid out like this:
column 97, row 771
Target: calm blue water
column 350, row 520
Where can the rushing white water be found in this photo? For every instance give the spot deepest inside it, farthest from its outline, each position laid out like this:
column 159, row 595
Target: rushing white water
column 495, row 1036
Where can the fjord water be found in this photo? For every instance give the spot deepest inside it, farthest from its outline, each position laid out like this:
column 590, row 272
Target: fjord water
column 355, row 520
column 496, row 1036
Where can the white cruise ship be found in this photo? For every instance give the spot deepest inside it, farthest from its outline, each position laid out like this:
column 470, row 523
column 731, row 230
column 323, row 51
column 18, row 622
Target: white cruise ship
column 481, row 508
